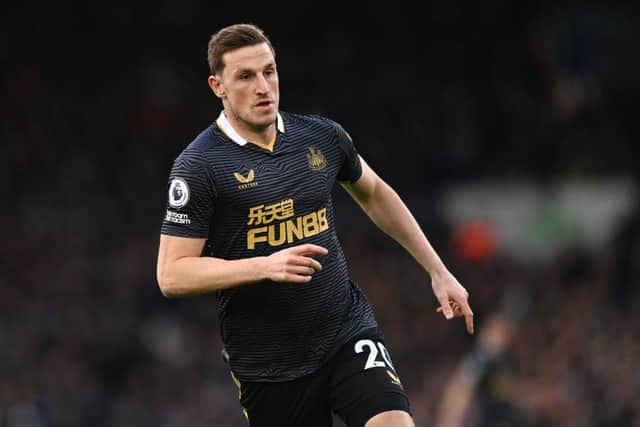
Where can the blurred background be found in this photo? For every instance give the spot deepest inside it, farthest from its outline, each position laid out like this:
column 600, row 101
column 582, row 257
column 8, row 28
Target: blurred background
column 507, row 127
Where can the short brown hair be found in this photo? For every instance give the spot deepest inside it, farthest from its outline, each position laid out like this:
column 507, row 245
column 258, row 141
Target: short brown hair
column 231, row 38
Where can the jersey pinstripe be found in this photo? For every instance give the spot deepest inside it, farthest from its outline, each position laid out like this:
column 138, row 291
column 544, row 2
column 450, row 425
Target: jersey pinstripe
column 248, row 201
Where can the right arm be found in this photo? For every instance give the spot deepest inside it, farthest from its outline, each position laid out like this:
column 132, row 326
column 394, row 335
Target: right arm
column 181, row 271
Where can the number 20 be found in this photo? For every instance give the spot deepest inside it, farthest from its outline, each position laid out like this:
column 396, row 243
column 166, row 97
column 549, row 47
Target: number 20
column 372, row 361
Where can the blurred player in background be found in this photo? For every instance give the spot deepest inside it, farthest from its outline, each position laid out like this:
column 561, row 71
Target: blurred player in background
column 250, row 217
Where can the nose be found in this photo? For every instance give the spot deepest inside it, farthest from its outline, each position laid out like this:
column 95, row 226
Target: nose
column 262, row 86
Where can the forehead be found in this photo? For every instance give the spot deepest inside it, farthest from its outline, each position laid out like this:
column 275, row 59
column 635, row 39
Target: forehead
column 250, row 57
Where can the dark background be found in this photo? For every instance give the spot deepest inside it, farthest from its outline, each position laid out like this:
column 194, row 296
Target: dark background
column 97, row 99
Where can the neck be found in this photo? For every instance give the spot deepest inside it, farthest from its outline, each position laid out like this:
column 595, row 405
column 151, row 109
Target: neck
column 259, row 135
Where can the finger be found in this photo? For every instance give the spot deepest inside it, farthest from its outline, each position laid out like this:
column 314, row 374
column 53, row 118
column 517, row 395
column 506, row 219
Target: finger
column 302, row 261
column 301, row 270
column 469, row 321
column 309, row 249
column 457, row 311
column 468, row 317
column 446, row 307
column 295, row 278
column 307, row 262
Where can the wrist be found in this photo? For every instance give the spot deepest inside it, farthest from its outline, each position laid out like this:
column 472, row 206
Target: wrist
column 438, row 271
column 259, row 269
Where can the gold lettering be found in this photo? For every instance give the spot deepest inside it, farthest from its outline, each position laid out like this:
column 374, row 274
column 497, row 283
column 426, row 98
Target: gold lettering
column 272, row 238
column 262, row 214
column 253, row 237
column 286, row 209
column 249, row 185
column 294, row 228
column 255, row 215
column 310, row 223
column 322, row 219
column 269, row 214
column 278, row 211
column 298, row 228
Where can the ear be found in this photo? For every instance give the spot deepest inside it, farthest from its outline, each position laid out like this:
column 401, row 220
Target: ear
column 215, row 83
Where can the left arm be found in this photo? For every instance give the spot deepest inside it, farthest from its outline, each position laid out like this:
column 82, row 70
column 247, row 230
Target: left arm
column 385, row 208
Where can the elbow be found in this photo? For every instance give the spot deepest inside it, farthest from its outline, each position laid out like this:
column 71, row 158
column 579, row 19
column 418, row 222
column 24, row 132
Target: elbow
column 168, row 291
column 167, row 284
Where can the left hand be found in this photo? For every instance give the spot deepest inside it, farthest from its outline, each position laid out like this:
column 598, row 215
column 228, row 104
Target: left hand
column 453, row 298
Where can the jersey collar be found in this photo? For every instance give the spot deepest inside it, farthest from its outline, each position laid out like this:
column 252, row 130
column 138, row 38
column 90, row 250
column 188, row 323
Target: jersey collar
column 225, row 126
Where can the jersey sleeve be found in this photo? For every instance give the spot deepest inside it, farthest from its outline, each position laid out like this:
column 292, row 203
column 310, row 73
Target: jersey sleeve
column 351, row 168
column 190, row 200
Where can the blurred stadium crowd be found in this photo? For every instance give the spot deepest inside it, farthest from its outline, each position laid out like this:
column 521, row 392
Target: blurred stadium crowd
column 97, row 100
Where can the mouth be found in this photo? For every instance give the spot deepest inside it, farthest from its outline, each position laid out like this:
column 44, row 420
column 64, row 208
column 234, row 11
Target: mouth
column 264, row 104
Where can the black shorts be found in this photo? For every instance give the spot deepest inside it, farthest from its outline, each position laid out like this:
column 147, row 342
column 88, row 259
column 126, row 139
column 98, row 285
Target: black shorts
column 357, row 383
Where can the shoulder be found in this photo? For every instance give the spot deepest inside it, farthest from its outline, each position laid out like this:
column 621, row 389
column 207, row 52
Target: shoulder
column 204, row 147
column 311, row 123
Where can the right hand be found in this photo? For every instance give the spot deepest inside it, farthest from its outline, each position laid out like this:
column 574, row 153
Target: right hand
column 295, row 264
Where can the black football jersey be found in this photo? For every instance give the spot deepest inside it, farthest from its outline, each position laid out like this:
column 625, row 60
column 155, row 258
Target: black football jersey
column 249, row 201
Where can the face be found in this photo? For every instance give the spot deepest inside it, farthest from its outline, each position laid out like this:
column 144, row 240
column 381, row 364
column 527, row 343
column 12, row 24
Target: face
column 248, row 87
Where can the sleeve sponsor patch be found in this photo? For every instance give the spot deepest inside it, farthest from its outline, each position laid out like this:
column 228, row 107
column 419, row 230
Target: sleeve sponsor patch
column 178, row 193
column 177, row 218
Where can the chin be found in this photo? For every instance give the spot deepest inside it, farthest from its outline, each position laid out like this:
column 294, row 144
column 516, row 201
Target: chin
column 264, row 120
